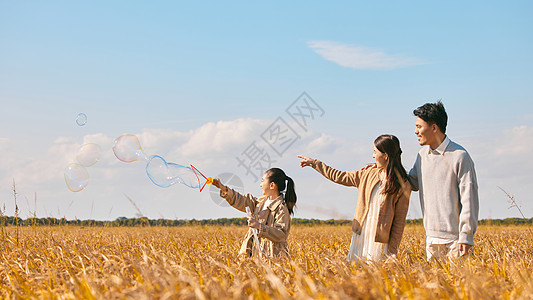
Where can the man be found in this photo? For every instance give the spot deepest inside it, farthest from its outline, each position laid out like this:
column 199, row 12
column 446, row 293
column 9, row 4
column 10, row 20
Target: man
column 444, row 175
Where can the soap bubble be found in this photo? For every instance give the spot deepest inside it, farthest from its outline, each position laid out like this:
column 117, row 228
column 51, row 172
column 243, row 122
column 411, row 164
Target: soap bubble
column 165, row 174
column 81, row 120
column 128, row 149
column 88, row 154
column 76, row 177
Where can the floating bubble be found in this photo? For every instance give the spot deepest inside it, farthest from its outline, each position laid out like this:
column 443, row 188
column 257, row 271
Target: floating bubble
column 81, row 120
column 128, row 149
column 89, row 154
column 76, row 177
column 165, row 174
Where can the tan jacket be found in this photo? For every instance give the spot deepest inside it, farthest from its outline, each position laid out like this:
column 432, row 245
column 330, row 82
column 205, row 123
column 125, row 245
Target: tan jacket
column 275, row 223
column 392, row 212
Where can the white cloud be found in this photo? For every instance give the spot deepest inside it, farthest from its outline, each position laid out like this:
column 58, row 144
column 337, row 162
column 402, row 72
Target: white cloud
column 98, row 138
column 516, row 141
column 213, row 138
column 503, row 161
column 359, row 57
column 3, row 142
column 322, row 143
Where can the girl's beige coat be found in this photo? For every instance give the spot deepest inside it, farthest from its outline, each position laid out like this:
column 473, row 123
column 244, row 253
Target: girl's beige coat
column 275, row 220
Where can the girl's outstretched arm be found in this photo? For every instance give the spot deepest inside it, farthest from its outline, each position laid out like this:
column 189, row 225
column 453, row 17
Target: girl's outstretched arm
column 234, row 198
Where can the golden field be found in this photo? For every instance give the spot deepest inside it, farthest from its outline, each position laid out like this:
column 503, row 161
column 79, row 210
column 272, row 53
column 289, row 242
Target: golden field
column 201, row 262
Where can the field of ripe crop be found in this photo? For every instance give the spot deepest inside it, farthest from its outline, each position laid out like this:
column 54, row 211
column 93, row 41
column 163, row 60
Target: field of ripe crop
column 201, row 263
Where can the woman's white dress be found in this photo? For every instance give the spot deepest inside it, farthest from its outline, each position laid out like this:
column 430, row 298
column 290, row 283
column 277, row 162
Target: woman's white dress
column 363, row 245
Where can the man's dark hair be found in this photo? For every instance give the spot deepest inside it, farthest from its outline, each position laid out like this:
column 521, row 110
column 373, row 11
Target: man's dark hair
column 433, row 113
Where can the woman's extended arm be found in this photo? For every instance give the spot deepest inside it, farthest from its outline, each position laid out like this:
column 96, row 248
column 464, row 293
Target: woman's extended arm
column 348, row 178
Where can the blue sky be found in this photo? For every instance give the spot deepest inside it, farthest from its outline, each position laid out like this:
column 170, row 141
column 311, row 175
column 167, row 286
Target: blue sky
column 199, row 82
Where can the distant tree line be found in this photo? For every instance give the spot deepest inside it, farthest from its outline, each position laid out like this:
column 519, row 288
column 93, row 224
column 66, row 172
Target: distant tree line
column 143, row 221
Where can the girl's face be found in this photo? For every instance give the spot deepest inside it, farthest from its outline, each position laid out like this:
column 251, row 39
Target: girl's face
column 381, row 158
column 267, row 186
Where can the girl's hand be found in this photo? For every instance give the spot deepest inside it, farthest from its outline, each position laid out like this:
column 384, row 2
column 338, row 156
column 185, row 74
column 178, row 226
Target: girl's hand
column 218, row 184
column 306, row 161
column 253, row 223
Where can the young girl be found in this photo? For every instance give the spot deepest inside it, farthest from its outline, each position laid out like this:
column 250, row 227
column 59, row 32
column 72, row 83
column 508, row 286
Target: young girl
column 270, row 212
column 382, row 203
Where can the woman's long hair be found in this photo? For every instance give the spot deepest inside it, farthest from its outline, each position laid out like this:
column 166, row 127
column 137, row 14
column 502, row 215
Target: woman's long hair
column 396, row 174
column 277, row 176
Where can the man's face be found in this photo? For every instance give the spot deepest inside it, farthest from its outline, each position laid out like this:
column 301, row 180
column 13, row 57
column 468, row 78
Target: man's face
column 425, row 132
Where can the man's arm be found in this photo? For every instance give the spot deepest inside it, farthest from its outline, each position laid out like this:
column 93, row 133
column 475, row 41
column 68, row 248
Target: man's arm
column 468, row 195
column 413, row 175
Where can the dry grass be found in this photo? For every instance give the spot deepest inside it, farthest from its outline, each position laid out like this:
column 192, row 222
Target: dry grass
column 202, row 262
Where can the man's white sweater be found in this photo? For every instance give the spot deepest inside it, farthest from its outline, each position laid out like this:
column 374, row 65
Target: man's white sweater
column 448, row 192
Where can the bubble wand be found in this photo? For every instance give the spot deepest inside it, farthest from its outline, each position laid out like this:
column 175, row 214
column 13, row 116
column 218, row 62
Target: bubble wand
column 254, row 231
column 208, row 180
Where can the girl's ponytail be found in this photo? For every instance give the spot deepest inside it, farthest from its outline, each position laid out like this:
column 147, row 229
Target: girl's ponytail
column 290, row 195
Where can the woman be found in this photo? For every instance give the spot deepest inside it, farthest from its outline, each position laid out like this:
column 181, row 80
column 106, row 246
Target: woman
column 383, row 200
column 270, row 212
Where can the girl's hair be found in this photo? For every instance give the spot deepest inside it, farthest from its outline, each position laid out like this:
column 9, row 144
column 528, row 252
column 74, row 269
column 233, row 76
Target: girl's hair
column 396, row 174
column 277, row 176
